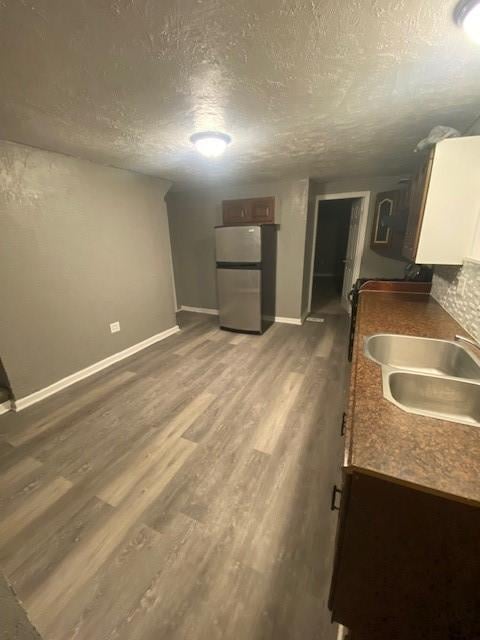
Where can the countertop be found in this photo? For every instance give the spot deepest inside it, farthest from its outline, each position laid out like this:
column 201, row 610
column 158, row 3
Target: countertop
column 432, row 455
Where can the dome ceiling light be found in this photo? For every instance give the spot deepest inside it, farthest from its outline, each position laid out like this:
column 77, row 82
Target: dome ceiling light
column 210, row 144
column 467, row 16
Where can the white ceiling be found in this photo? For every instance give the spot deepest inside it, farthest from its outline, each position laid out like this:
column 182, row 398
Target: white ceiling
column 329, row 88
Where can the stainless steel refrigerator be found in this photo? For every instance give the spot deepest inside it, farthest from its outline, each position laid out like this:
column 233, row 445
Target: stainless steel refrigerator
column 246, row 268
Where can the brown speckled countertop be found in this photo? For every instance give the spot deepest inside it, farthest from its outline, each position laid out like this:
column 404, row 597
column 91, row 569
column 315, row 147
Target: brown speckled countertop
column 434, row 455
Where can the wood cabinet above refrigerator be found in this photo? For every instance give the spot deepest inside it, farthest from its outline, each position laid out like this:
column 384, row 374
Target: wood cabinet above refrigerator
column 249, row 211
column 444, row 204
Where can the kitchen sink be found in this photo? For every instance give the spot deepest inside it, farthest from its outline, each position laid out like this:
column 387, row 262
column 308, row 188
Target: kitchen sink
column 432, row 395
column 424, row 355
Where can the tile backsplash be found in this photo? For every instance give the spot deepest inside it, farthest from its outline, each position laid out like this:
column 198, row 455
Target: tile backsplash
column 457, row 289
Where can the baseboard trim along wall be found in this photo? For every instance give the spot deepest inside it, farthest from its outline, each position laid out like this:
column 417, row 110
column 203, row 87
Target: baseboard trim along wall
column 297, row 321
column 41, row 394
column 5, row 407
column 214, row 312
column 211, row 312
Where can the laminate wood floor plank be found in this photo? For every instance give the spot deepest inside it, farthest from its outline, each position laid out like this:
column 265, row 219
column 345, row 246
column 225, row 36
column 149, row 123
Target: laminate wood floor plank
column 86, row 558
column 22, row 488
column 159, row 450
column 16, row 474
column 94, row 394
column 183, row 493
column 36, row 554
column 277, row 414
column 228, row 441
column 33, row 507
column 105, row 602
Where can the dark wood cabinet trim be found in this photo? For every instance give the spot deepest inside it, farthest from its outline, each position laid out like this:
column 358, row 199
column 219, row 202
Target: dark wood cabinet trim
column 426, row 186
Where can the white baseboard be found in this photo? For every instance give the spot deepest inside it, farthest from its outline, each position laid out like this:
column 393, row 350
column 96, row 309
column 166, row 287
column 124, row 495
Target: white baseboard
column 214, row 312
column 41, row 394
column 211, row 312
column 5, row 407
column 297, row 321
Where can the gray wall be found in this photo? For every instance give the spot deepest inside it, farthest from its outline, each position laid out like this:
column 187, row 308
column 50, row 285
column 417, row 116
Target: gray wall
column 81, row 245
column 457, row 289
column 193, row 216
column 4, row 381
column 372, row 265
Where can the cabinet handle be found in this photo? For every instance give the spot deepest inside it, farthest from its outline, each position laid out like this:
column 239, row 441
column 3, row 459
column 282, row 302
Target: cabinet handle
column 344, row 421
column 333, row 505
column 242, row 213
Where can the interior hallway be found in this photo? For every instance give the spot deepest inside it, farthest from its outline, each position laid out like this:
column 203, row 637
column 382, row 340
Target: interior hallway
column 326, row 298
column 184, row 493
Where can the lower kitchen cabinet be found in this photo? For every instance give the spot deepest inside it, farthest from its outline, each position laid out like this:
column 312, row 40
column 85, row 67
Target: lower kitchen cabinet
column 407, row 563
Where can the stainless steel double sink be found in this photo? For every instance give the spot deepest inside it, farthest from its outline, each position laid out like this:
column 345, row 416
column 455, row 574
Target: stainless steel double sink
column 435, row 378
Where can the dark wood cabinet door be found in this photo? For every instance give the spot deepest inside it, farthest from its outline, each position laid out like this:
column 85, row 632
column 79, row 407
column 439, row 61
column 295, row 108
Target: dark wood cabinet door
column 418, row 198
column 386, row 207
column 263, row 210
column 249, row 211
column 407, row 564
column 389, row 223
column 236, row 211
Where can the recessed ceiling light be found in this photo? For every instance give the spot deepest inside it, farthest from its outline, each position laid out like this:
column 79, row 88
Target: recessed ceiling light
column 467, row 16
column 210, row 144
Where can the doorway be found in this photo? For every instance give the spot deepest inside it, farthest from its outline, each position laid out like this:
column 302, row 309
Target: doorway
column 338, row 239
column 333, row 226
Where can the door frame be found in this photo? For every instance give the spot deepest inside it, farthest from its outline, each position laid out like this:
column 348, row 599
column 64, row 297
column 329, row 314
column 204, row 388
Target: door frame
column 362, row 230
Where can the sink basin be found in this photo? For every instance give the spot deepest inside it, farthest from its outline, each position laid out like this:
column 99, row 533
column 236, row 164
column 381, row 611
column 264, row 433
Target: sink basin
column 429, row 395
column 426, row 355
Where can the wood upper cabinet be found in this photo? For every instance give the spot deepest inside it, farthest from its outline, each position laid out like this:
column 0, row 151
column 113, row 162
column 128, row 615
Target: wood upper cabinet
column 249, row 211
column 385, row 208
column 236, row 211
column 416, row 207
column 263, row 210
column 389, row 223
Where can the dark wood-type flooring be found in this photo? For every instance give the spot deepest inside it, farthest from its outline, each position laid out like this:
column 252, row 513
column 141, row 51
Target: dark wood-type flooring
column 184, row 492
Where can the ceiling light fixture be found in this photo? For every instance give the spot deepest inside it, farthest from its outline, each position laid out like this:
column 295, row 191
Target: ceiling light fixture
column 210, row 144
column 467, row 16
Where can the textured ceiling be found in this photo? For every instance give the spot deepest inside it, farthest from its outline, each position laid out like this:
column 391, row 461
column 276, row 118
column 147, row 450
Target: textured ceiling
column 305, row 87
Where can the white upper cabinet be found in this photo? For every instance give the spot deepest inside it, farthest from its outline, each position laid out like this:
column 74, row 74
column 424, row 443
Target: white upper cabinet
column 475, row 248
column 445, row 204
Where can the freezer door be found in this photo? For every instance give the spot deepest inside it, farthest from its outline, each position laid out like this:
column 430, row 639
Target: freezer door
column 239, row 299
column 238, row 244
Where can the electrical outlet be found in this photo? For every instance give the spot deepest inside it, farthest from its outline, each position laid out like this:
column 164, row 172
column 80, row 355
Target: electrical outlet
column 114, row 327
